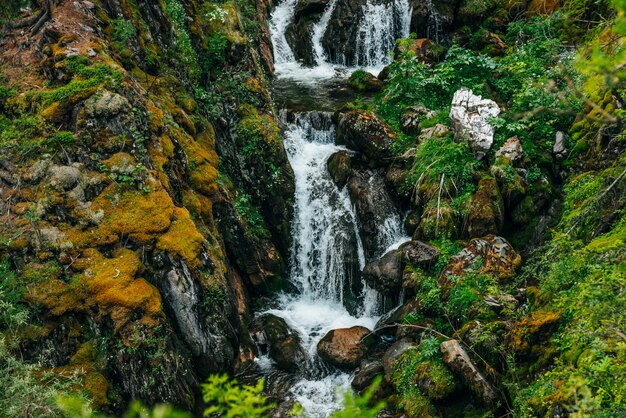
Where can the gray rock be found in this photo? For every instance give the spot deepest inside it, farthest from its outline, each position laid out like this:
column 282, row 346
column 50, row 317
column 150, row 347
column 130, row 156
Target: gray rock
column 366, row 373
column 437, row 131
column 393, row 354
column 559, row 149
column 469, row 114
column 63, row 177
column 457, row 360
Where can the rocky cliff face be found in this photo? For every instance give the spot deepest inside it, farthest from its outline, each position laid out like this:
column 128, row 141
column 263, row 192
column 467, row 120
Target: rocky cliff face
column 144, row 187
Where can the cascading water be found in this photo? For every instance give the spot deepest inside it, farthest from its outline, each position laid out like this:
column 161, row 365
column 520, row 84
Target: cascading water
column 326, row 257
column 380, row 26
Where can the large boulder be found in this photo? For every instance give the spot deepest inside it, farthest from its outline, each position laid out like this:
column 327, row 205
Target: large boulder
column 368, row 134
column 469, row 115
column 457, row 360
column 489, row 255
column 386, row 274
column 345, row 347
column 282, row 343
column 363, row 81
column 374, row 206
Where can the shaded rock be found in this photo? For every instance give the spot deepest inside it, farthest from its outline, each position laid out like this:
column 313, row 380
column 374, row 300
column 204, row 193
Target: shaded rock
column 412, row 221
column 309, row 7
column 344, row 347
column 486, row 214
column 511, row 150
column 363, row 81
column 436, row 222
column 415, row 331
column 386, row 273
column 107, row 110
column 282, row 343
column 469, row 114
column 410, row 122
column 339, row 167
column 374, row 206
column 457, row 360
column 366, row 373
column 368, row 134
column 394, row 353
column 490, row 255
column 431, row 20
column 387, row 324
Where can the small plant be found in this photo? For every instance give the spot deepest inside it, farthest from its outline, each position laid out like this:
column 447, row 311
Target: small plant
column 227, row 398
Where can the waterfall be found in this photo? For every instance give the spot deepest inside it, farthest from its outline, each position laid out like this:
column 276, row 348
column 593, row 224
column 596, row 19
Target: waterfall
column 319, row 29
column 324, row 258
column 381, row 25
column 434, row 25
column 279, row 20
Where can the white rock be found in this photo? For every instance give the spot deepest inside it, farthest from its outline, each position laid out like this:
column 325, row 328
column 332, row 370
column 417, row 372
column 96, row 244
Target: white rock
column 559, row 145
column 469, row 114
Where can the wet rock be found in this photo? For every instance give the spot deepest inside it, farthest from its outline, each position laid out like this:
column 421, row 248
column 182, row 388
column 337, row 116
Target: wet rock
column 339, row 168
column 344, row 347
column 365, row 82
column 486, row 214
column 457, row 360
column 310, row 7
column 469, row 115
column 366, row 373
column 394, row 353
column 282, row 342
column 511, row 150
column 374, row 206
column 368, row 134
column 387, row 324
column 430, row 19
column 387, row 273
column 490, row 255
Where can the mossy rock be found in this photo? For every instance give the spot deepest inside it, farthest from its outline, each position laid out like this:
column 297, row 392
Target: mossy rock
column 363, row 81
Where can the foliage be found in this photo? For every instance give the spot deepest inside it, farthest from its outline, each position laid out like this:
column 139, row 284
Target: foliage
column 360, row 406
column 185, row 53
column 227, row 398
column 123, row 31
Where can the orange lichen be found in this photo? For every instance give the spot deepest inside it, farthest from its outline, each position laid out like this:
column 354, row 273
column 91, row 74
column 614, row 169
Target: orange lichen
column 530, row 328
column 56, row 296
column 202, row 163
column 112, row 285
column 134, row 213
column 182, row 239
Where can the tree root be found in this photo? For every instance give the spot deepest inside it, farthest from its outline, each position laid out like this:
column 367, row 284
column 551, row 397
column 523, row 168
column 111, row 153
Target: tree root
column 36, row 21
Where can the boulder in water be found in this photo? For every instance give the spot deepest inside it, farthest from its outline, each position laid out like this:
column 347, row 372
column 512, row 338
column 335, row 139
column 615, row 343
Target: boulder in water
column 345, row 347
column 339, row 168
column 374, row 208
column 282, row 343
column 368, row 134
column 386, row 273
column 363, row 81
column 469, row 115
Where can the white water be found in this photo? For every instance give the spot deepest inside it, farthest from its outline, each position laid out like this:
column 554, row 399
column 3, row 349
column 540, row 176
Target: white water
column 379, row 26
column 325, row 236
column 377, row 33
